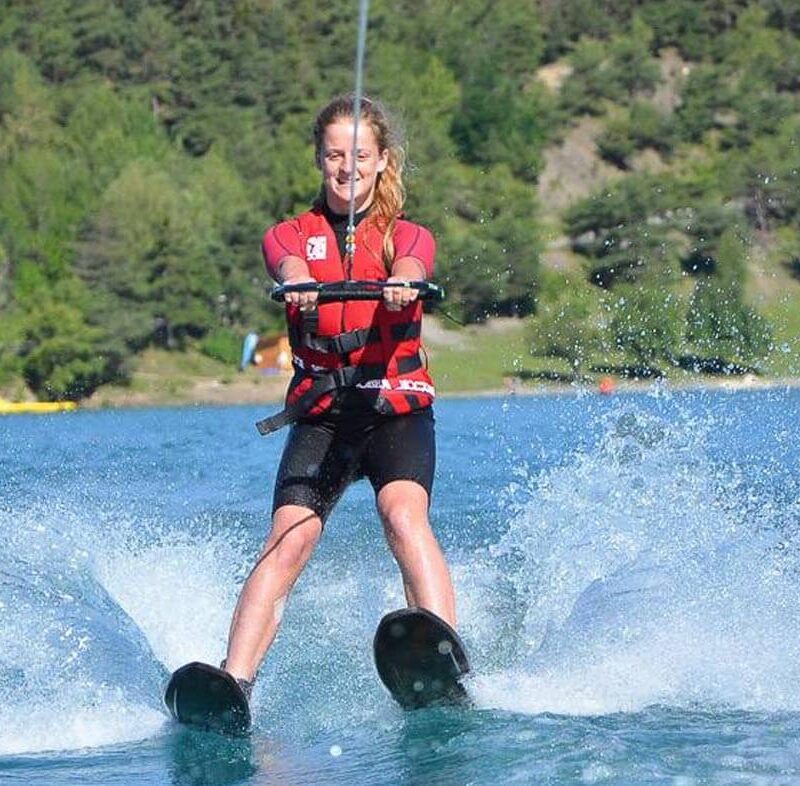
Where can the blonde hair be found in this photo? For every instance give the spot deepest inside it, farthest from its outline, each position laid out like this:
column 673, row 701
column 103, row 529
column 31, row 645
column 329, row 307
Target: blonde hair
column 390, row 193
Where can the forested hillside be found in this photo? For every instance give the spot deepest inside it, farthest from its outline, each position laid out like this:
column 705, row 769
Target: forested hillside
column 145, row 146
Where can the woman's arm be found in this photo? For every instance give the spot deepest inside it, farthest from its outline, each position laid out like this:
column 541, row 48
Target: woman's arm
column 415, row 249
column 282, row 250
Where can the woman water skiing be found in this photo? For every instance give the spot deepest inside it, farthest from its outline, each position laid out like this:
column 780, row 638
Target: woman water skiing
column 360, row 403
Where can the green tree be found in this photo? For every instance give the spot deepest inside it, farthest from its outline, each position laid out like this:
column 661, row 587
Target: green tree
column 633, row 67
column 616, row 70
column 646, row 320
column 705, row 93
column 566, row 21
column 27, row 111
column 61, row 356
column 719, row 322
column 148, row 255
column 766, row 177
column 704, row 225
column 641, row 126
column 499, row 124
column 488, row 253
column 679, row 23
column 625, row 229
column 568, row 324
column 762, row 54
column 592, row 80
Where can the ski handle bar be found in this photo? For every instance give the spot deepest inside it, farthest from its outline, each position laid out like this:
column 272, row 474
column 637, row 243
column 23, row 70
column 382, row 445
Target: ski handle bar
column 339, row 291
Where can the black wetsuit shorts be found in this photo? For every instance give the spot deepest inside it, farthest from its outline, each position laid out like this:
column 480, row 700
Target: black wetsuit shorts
column 323, row 455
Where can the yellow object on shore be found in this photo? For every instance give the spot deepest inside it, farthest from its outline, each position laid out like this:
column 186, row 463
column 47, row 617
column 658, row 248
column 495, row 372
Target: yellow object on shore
column 28, row 407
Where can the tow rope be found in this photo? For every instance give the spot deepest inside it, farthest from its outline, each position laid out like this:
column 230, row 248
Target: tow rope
column 350, row 237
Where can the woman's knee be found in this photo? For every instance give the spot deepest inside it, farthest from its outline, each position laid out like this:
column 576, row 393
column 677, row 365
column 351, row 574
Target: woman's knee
column 292, row 539
column 403, row 522
column 403, row 504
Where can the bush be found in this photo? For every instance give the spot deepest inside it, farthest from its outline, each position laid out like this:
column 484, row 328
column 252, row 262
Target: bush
column 568, row 324
column 641, row 126
column 719, row 322
column 62, row 356
column 223, row 344
column 646, row 322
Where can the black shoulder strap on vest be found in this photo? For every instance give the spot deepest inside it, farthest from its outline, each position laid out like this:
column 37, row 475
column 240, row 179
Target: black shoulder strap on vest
column 340, row 344
column 344, row 343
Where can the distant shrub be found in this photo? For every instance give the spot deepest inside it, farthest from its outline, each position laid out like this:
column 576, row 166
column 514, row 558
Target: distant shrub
column 615, row 144
column 568, row 323
column 222, row 344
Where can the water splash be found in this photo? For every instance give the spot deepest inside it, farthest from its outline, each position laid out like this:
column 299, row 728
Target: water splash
column 643, row 573
column 639, row 570
column 179, row 587
column 75, row 669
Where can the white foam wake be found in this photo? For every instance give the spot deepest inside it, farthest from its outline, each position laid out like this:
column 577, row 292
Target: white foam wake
column 642, row 573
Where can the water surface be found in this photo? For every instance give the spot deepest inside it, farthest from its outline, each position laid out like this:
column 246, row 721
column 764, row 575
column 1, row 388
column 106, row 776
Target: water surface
column 627, row 576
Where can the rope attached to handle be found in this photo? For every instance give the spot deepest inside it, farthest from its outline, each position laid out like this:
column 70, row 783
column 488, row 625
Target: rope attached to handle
column 350, row 238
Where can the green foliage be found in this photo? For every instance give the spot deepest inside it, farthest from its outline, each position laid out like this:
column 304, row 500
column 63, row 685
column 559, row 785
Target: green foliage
column 591, row 81
column 616, row 144
column 502, row 117
column 145, row 147
column 566, row 21
column 499, row 124
column 27, row 116
column 719, row 323
column 224, row 345
column 464, row 33
column 679, row 23
column 5, row 279
column 489, row 246
column 633, row 67
column 787, row 249
column 704, row 227
column 762, row 54
column 10, row 359
column 617, row 70
column 646, row 321
column 425, row 96
column 639, row 127
column 705, row 93
column 151, row 243
column 568, row 323
column 624, row 229
column 767, row 178
column 61, row 358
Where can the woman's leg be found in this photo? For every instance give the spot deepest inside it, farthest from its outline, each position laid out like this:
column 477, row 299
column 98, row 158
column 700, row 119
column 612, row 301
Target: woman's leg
column 403, row 507
column 310, row 479
column 295, row 532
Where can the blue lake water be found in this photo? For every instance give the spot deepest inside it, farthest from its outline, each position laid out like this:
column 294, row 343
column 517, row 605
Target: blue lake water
column 628, row 578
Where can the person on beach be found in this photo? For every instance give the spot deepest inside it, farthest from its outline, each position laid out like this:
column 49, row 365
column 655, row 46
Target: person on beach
column 360, row 402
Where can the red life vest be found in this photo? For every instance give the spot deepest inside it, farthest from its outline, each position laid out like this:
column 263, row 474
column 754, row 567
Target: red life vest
column 357, row 343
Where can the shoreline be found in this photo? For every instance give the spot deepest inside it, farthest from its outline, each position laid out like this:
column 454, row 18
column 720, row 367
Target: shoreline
column 473, row 362
column 271, row 392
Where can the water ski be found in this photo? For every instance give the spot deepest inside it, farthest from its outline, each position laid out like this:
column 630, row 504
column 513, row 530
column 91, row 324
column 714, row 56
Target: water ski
column 208, row 697
column 420, row 659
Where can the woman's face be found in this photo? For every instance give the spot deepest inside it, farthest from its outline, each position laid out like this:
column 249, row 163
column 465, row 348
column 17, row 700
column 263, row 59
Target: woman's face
column 336, row 164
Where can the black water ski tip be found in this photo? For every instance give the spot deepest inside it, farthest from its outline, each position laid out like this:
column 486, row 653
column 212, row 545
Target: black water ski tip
column 421, row 659
column 207, row 697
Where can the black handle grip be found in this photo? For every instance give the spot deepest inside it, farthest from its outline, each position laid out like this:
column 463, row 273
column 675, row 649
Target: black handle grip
column 339, row 291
